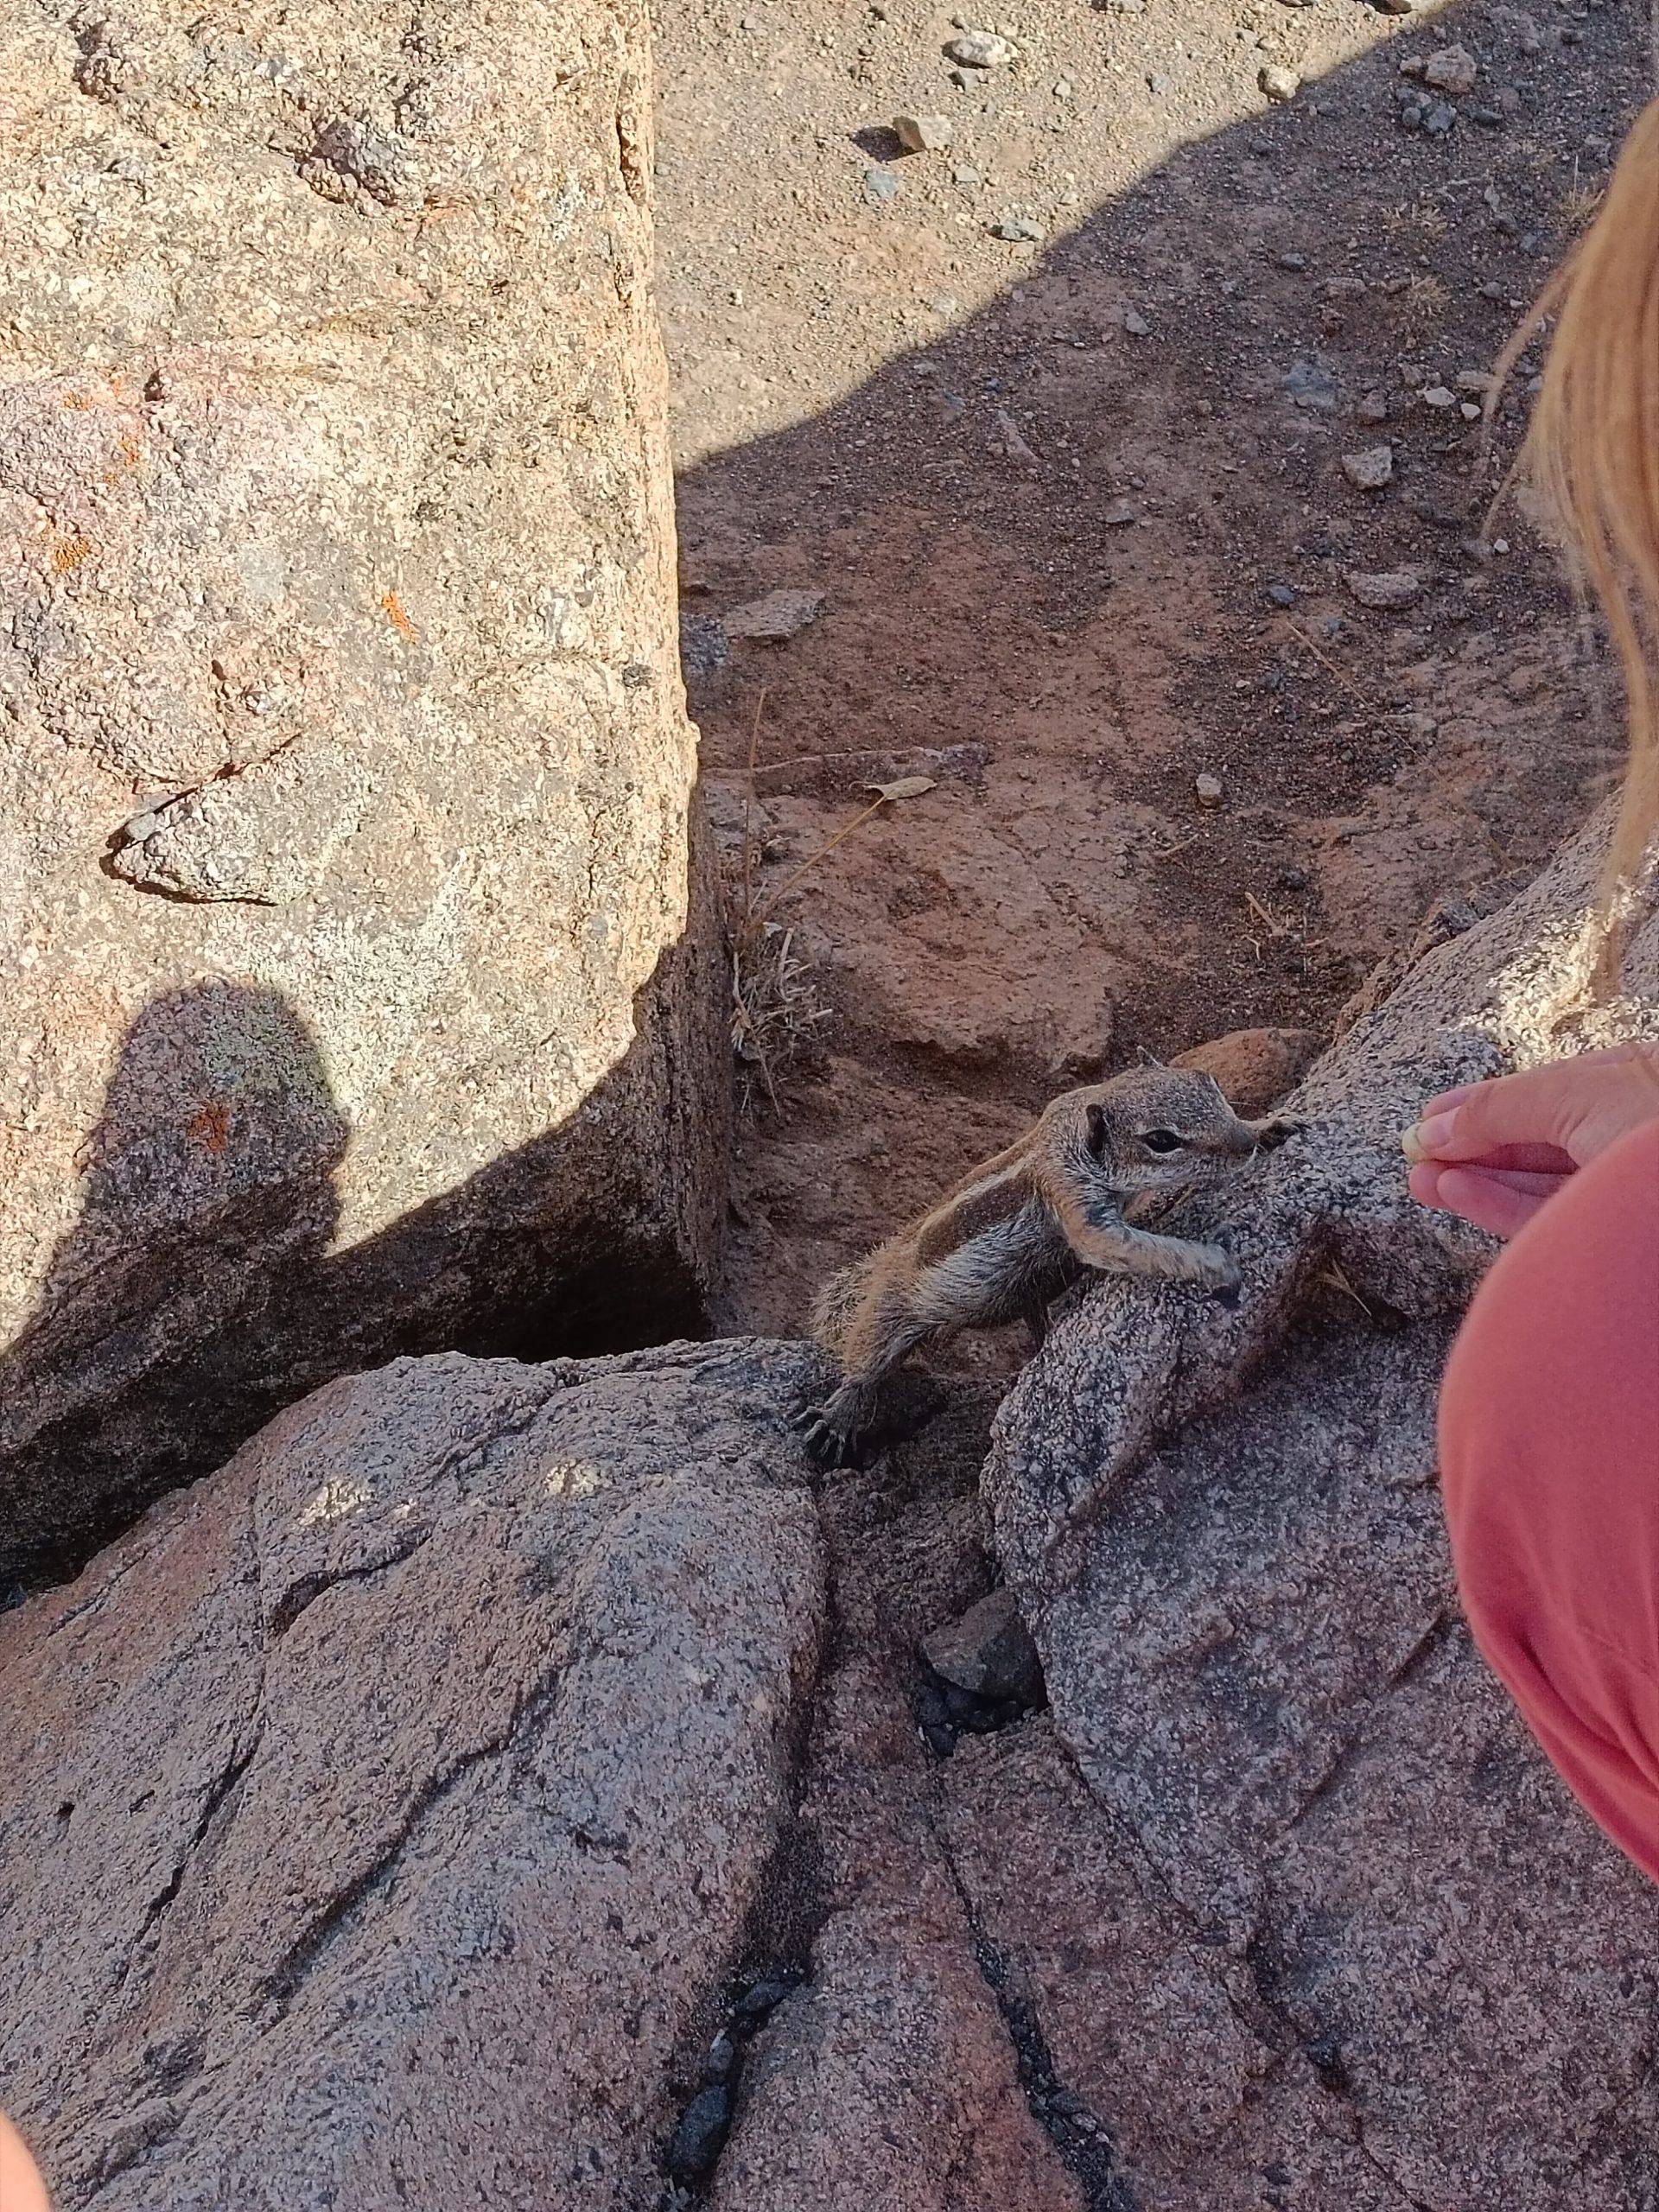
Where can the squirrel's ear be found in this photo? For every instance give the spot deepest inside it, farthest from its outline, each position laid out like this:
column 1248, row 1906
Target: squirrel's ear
column 1096, row 1130
column 1145, row 1059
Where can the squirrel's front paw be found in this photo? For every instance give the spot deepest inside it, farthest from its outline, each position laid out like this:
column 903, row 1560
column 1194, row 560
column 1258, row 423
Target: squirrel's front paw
column 830, row 1441
column 1222, row 1275
column 1280, row 1130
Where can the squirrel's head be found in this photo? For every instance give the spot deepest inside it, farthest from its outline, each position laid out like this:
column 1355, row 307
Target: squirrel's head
column 1158, row 1129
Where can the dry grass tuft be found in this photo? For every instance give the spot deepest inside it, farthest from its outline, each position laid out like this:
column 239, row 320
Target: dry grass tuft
column 775, row 1009
column 1418, row 309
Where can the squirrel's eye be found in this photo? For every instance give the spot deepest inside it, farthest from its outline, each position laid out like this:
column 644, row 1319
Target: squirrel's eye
column 1162, row 1140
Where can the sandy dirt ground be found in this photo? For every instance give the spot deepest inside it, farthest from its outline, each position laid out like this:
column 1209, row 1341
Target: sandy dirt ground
column 1133, row 437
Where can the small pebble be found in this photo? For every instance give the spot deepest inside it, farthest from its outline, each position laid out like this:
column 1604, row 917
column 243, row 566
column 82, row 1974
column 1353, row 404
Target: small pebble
column 1295, row 261
column 879, row 185
column 763, row 1998
column 1282, row 594
column 1208, row 790
column 1311, row 384
column 776, row 618
column 1436, row 395
column 1453, row 69
column 1373, row 408
column 1469, row 411
column 1018, row 230
column 1278, row 83
column 1371, row 469
column 1438, row 119
column 1388, row 590
column 979, row 50
column 1121, row 514
column 1135, row 324
column 719, row 2059
column 700, row 2135
column 923, row 134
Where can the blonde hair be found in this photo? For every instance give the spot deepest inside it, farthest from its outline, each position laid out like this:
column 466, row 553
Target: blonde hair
column 1592, row 455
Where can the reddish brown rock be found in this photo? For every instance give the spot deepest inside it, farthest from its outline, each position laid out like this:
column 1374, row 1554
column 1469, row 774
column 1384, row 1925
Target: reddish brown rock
column 349, row 934
column 1255, row 1067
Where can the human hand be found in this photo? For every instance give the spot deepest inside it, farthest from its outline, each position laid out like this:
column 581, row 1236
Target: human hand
column 1494, row 1152
column 21, row 2187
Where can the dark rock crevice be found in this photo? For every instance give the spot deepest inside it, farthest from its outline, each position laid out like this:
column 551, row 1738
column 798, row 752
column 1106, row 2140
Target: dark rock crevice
column 1083, row 2139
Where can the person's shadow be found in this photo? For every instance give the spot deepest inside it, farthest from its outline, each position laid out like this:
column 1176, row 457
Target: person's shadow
column 208, row 1207
column 200, row 1289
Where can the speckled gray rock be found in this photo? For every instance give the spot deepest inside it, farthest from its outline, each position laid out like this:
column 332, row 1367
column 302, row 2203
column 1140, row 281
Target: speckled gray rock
column 1224, row 1529
column 379, row 1817
column 987, row 1650
column 354, row 982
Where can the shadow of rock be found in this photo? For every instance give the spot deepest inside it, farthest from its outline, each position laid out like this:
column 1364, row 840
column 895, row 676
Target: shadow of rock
column 199, row 1290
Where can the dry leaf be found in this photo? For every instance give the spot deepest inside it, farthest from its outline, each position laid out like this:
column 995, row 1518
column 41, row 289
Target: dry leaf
column 906, row 787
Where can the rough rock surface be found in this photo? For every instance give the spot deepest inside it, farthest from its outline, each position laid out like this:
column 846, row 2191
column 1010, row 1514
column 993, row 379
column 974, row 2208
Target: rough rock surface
column 346, row 922
column 379, row 1819
column 897, row 2078
column 1425, row 1978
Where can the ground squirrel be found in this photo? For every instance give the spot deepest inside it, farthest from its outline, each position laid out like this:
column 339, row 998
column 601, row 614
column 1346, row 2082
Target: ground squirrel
column 1025, row 1225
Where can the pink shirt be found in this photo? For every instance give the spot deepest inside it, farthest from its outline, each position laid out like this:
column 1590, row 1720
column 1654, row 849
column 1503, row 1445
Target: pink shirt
column 1549, row 1454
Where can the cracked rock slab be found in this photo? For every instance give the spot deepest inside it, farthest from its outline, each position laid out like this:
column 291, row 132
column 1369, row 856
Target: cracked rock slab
column 1224, row 1529
column 889, row 2085
column 381, row 1817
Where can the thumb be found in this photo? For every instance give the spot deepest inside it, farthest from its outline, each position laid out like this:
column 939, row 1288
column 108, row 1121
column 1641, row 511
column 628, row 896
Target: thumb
column 1538, row 1112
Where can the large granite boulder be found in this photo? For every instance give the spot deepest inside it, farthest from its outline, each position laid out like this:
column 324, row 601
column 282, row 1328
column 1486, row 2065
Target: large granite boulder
column 350, row 934
column 1402, row 1967
column 382, row 1819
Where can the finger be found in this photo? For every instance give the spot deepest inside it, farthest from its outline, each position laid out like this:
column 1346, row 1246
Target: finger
column 1542, row 1106
column 1525, row 1159
column 1445, row 1100
column 1479, row 1200
column 1426, row 1143
column 1529, row 1182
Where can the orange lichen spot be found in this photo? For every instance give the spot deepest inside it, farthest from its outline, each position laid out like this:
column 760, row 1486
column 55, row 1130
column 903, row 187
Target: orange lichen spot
column 211, row 1124
column 400, row 621
column 78, row 399
column 69, row 553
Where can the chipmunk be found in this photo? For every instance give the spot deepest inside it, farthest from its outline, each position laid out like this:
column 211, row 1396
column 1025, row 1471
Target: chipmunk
column 1025, row 1225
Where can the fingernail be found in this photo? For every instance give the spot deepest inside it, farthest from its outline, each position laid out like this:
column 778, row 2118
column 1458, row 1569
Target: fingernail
column 1428, row 1137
